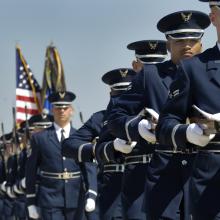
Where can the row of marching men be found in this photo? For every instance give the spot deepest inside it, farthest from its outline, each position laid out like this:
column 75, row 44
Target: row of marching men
column 80, row 173
column 113, row 167
column 153, row 167
column 41, row 178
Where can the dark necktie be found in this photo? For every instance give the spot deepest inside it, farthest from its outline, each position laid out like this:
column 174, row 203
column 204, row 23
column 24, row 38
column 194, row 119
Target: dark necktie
column 62, row 135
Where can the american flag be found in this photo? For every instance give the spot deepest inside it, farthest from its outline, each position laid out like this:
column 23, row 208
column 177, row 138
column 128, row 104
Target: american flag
column 27, row 90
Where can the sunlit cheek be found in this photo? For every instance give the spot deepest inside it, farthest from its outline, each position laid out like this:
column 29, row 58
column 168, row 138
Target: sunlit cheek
column 197, row 48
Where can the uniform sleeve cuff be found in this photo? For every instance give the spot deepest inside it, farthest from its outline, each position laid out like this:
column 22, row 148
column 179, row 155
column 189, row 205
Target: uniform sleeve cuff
column 131, row 128
column 31, row 199
column 109, row 152
column 179, row 137
column 85, row 152
column 91, row 194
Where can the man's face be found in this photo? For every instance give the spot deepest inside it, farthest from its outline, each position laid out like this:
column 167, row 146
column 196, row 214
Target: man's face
column 215, row 16
column 183, row 48
column 9, row 148
column 62, row 114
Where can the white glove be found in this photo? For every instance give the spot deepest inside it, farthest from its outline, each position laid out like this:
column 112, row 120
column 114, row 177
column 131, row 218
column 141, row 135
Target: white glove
column 194, row 135
column 10, row 193
column 213, row 117
column 23, row 183
column 144, row 127
column 122, row 146
column 90, row 205
column 33, row 212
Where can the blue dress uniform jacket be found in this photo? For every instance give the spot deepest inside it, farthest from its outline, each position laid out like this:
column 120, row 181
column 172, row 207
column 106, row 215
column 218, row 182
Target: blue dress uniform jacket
column 111, row 171
column 198, row 84
column 46, row 156
column 149, row 89
column 79, row 146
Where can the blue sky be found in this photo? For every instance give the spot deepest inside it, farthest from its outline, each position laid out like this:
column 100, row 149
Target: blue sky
column 91, row 37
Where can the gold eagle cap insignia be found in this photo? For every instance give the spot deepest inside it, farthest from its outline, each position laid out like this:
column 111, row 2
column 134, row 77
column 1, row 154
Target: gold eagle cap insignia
column 123, row 73
column 153, row 45
column 186, row 17
column 62, row 94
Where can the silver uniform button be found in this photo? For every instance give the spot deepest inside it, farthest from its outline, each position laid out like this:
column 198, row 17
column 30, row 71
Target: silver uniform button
column 184, row 162
column 64, row 158
column 66, row 181
column 65, row 170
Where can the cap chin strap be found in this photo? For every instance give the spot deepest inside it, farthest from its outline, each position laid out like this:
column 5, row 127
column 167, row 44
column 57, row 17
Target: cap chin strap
column 151, row 62
column 185, row 38
column 61, row 103
column 120, row 86
column 184, row 31
column 150, row 56
column 42, row 124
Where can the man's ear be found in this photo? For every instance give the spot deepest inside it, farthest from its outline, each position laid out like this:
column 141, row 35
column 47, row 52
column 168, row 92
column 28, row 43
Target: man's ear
column 201, row 48
column 72, row 110
column 134, row 65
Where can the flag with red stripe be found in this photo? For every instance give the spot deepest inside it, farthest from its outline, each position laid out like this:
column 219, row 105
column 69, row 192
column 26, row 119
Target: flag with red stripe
column 27, row 89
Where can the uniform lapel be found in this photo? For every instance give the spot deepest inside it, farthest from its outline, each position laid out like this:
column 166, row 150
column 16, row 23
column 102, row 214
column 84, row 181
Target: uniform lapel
column 169, row 74
column 167, row 81
column 53, row 136
column 213, row 66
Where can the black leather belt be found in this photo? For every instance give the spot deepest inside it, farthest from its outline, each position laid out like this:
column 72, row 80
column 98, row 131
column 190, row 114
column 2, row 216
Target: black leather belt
column 114, row 168
column 183, row 151
column 138, row 159
column 210, row 151
column 62, row 176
